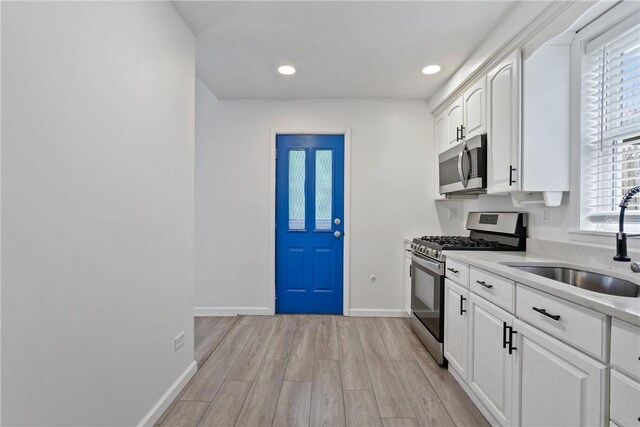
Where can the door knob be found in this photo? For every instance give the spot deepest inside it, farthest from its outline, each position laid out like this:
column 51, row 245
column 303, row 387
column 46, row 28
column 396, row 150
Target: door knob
column 336, row 234
column 336, row 221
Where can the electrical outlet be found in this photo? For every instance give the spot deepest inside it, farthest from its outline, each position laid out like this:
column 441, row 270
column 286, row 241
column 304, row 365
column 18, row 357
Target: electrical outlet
column 546, row 213
column 178, row 341
column 453, row 213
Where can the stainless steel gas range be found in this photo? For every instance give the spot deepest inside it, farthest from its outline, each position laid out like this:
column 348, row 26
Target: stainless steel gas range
column 489, row 231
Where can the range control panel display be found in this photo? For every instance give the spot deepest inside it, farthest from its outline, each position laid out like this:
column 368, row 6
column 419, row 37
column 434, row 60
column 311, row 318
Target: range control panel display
column 488, row 219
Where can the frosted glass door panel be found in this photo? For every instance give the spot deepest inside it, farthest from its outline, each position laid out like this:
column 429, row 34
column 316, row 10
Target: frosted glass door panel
column 324, row 183
column 297, row 185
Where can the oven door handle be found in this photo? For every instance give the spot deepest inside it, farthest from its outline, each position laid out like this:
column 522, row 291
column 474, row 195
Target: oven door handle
column 464, row 178
column 433, row 266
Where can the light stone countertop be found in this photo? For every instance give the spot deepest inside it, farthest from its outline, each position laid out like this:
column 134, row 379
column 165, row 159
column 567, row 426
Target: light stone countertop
column 623, row 308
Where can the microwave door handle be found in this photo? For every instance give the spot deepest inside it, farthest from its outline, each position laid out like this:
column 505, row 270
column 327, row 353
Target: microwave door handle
column 467, row 174
column 464, row 178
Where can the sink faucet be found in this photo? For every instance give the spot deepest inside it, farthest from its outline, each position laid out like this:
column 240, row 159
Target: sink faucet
column 621, row 236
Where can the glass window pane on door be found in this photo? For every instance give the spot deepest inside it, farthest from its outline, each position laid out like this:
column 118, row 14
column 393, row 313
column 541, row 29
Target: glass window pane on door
column 324, row 182
column 296, row 189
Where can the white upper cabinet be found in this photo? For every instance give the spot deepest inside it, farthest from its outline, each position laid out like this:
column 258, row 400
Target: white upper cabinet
column 475, row 109
column 546, row 100
column 503, row 101
column 523, row 106
column 454, row 122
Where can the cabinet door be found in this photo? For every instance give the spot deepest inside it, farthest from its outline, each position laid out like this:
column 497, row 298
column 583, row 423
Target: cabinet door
column 456, row 327
column 503, row 100
column 475, row 109
column 554, row 383
column 453, row 120
column 490, row 364
column 407, row 280
column 625, row 400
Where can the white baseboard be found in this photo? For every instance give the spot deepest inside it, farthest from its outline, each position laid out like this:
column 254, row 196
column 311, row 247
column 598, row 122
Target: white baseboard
column 165, row 400
column 365, row 312
column 235, row 311
column 230, row 311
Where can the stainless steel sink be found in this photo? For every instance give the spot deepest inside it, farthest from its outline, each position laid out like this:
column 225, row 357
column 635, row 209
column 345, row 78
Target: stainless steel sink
column 588, row 280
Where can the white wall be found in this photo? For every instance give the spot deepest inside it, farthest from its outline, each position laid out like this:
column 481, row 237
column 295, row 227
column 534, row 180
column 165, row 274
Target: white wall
column 97, row 209
column 390, row 193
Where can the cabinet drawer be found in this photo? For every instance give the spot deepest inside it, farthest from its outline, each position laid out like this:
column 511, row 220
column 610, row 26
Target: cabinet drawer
column 625, row 348
column 625, row 395
column 498, row 290
column 458, row 272
column 584, row 328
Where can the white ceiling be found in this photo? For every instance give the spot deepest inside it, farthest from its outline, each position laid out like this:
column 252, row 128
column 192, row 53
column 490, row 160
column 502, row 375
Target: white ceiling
column 341, row 49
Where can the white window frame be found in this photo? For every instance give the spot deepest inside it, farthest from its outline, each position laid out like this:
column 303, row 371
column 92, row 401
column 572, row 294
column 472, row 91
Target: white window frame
column 580, row 223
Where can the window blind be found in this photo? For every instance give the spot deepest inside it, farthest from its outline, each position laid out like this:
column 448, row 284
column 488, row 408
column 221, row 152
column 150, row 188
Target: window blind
column 611, row 123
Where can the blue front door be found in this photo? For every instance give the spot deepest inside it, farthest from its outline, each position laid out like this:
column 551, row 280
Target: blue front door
column 309, row 223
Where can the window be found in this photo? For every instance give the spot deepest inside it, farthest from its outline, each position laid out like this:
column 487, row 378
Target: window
column 610, row 125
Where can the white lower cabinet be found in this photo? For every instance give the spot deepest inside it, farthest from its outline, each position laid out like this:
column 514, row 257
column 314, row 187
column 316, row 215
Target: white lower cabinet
column 525, row 372
column 491, row 361
column 456, row 327
column 555, row 385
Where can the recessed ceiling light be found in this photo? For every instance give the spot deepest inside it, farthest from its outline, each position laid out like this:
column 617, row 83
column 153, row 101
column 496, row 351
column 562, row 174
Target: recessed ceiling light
column 287, row 70
column 431, row 69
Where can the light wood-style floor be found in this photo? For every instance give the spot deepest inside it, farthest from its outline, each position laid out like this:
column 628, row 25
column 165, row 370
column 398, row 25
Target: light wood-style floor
column 310, row 370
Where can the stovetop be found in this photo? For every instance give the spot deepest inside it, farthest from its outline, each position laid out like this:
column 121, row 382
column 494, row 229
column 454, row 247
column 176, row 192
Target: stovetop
column 463, row 243
column 488, row 231
column 434, row 246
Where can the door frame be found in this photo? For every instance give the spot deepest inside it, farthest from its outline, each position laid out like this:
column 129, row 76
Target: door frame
column 346, row 133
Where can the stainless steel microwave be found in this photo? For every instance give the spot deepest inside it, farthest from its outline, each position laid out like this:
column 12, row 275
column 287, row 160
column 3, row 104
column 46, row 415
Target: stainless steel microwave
column 463, row 168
